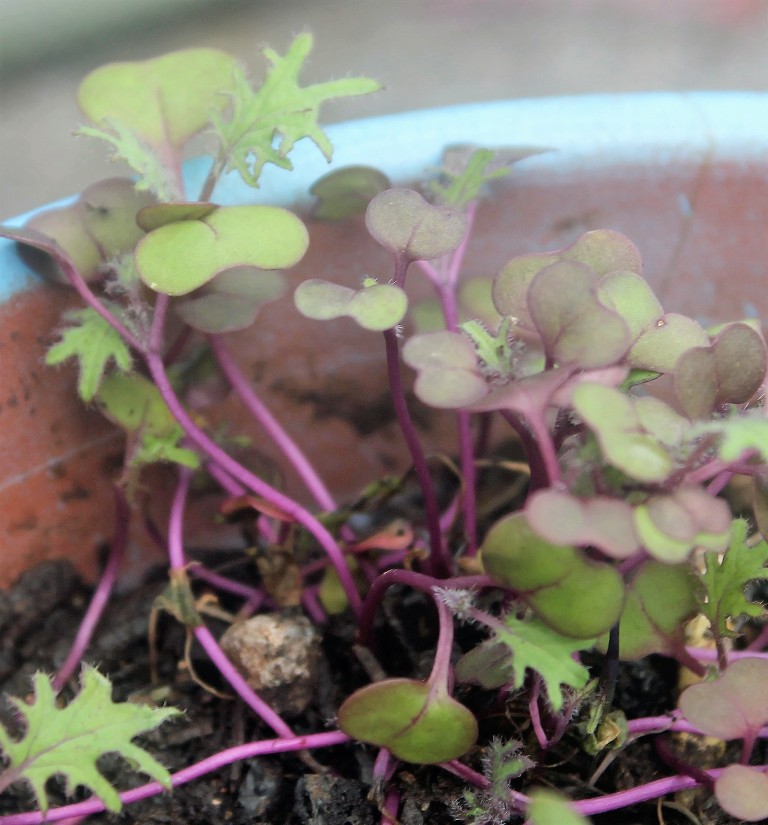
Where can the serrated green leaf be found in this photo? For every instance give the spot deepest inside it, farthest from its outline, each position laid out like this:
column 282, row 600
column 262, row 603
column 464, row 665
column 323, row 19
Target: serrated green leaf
column 534, row 645
column 94, row 343
column 460, row 188
column 134, row 403
column 153, row 174
column 70, row 740
column 725, row 580
column 263, row 125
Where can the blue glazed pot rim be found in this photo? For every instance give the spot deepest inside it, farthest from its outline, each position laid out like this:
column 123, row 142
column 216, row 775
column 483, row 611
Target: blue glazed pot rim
column 585, row 131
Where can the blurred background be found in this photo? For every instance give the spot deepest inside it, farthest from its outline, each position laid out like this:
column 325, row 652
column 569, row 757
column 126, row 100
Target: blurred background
column 426, row 52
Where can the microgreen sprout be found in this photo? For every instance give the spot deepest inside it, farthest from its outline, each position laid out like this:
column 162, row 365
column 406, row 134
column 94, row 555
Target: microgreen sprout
column 620, row 534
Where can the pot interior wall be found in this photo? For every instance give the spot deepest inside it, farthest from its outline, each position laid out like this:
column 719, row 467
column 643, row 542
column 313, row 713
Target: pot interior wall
column 701, row 231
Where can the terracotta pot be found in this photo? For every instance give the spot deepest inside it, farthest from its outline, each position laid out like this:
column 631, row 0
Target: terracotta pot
column 684, row 175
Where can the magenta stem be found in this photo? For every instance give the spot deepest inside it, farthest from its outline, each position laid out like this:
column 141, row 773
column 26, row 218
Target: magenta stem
column 439, row 560
column 202, row 634
column 102, row 593
column 205, row 766
column 252, row 595
column 271, row 425
column 236, row 470
column 420, row 581
column 533, row 709
column 238, row 683
column 441, row 665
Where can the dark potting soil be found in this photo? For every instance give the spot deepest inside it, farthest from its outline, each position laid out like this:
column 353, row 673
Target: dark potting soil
column 39, row 618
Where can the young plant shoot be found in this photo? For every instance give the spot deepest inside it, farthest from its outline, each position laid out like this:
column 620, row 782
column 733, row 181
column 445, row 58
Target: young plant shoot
column 610, row 531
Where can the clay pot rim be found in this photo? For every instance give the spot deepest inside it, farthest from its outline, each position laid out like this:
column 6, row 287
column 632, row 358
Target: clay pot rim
column 598, row 131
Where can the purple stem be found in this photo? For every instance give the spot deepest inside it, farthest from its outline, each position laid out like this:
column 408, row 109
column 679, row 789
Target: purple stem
column 102, row 593
column 680, row 765
column 271, row 425
column 420, row 581
column 719, row 482
column 84, row 291
column 391, row 805
column 202, row 634
column 241, row 687
column 235, row 469
column 759, row 642
column 311, row 604
column 205, row 766
column 519, row 800
column 225, row 481
column 533, row 709
column 444, row 278
column 660, row 724
column 705, row 655
column 539, row 450
column 252, row 595
column 441, row 665
column 651, row 790
column 439, row 560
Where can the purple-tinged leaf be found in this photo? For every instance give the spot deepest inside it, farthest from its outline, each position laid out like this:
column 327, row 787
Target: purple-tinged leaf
column 733, row 706
column 602, row 250
column 232, row 300
column 740, row 358
column 448, row 373
column 98, row 226
column 730, row 371
column 346, row 192
column 602, row 522
column 408, row 226
column 743, row 792
column 671, row 525
column 575, row 328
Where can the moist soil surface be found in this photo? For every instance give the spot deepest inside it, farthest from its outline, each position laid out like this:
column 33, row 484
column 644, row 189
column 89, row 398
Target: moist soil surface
column 39, row 618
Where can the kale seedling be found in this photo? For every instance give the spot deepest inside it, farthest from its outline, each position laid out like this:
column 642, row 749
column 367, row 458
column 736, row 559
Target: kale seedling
column 621, row 537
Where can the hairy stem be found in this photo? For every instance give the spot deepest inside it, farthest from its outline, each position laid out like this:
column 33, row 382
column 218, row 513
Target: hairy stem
column 419, row 581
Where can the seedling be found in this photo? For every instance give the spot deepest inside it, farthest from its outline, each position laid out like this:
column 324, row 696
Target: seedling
column 618, row 539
